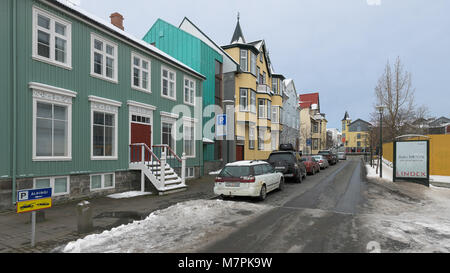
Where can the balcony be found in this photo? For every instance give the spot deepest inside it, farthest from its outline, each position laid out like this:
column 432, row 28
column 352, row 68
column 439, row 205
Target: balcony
column 263, row 88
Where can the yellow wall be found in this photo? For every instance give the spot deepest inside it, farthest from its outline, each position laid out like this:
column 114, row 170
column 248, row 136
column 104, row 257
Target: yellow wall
column 439, row 154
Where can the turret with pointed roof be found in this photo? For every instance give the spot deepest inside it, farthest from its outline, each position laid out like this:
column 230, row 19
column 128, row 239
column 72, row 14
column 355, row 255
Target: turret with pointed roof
column 346, row 116
column 238, row 37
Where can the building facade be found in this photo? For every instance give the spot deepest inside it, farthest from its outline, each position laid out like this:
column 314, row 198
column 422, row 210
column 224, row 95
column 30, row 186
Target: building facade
column 82, row 98
column 290, row 115
column 355, row 135
column 258, row 107
column 313, row 124
column 209, row 61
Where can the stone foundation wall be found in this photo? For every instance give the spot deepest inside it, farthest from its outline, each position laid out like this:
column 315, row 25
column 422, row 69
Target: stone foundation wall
column 79, row 188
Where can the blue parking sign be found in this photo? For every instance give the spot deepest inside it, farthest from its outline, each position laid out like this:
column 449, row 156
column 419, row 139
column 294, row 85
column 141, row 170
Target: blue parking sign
column 33, row 194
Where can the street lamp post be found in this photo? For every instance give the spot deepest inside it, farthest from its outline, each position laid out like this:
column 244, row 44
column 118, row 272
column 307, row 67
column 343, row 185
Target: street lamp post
column 380, row 109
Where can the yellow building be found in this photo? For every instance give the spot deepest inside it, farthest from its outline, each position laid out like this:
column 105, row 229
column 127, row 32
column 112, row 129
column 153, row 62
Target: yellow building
column 355, row 135
column 258, row 99
column 313, row 125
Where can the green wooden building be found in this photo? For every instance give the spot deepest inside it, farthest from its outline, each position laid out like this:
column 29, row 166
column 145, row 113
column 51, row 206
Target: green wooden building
column 197, row 54
column 88, row 109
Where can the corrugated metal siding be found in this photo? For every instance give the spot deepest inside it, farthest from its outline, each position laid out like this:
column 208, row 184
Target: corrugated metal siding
column 193, row 52
column 79, row 80
column 5, row 88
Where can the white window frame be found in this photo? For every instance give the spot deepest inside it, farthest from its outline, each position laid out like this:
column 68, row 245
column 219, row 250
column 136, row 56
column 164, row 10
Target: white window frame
column 190, row 172
column 269, row 110
column 263, row 113
column 52, row 184
column 253, row 63
column 103, row 181
column 275, row 114
column 141, row 70
column 253, row 106
column 56, row 96
column 191, row 90
column 251, row 137
column 275, row 136
column 107, row 106
column 243, row 59
column 261, row 138
column 242, row 107
column 104, row 55
column 53, row 19
column 174, row 98
column 172, row 122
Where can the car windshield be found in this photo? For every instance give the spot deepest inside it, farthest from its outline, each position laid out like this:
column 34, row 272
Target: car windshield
column 318, row 157
column 281, row 157
column 235, row 171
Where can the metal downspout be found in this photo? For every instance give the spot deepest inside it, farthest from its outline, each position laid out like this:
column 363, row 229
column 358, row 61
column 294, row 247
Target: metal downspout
column 14, row 97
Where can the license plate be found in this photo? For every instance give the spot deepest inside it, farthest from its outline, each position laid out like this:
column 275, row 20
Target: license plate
column 232, row 184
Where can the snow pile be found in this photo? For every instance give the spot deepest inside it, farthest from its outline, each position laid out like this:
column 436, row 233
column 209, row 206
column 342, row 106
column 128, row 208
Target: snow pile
column 387, row 172
column 128, row 194
column 180, row 228
column 408, row 217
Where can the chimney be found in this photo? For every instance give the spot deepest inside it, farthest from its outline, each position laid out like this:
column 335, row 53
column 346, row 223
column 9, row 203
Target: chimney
column 117, row 20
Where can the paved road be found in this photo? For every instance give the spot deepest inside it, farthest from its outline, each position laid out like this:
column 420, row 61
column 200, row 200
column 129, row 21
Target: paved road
column 319, row 215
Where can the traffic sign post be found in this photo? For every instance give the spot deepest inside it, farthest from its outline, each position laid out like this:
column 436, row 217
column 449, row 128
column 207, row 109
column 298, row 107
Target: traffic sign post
column 32, row 200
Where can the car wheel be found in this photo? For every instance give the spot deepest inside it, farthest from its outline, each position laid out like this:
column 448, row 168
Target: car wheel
column 281, row 186
column 263, row 193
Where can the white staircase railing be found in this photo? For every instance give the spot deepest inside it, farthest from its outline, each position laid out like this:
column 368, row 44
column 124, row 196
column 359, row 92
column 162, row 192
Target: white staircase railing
column 157, row 169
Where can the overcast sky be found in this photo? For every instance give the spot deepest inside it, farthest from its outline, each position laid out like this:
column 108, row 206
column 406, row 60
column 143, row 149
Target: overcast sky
column 335, row 47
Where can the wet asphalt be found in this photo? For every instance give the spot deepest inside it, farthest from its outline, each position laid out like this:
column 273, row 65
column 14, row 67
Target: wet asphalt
column 318, row 215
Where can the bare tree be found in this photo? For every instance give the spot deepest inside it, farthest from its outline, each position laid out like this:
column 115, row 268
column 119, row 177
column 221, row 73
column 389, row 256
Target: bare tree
column 394, row 90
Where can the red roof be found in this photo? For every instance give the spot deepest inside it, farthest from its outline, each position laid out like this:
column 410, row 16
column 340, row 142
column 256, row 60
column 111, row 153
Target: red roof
column 306, row 100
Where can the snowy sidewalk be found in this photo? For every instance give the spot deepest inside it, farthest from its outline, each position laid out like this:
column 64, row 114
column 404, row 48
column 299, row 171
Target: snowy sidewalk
column 435, row 180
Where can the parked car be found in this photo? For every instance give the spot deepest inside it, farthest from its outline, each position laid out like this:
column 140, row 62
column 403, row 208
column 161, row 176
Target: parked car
column 342, row 156
column 248, row 178
column 312, row 166
column 289, row 163
column 323, row 162
column 330, row 156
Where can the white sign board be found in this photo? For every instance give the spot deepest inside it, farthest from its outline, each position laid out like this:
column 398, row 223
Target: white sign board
column 412, row 159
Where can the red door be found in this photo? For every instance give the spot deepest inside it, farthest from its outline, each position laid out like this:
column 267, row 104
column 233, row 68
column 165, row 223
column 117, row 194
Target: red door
column 140, row 133
column 239, row 152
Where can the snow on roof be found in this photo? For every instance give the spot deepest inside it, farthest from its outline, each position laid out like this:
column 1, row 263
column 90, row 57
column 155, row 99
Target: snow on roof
column 246, row 163
column 129, row 36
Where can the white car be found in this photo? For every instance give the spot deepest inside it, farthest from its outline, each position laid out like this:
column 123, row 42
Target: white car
column 248, row 178
column 323, row 162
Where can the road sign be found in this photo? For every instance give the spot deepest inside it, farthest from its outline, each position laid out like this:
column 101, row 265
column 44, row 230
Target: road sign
column 221, row 125
column 34, row 199
column 32, row 194
column 33, row 205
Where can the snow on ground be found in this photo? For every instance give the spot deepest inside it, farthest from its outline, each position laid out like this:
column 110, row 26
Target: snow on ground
column 387, row 172
column 128, row 194
column 406, row 217
column 180, row 228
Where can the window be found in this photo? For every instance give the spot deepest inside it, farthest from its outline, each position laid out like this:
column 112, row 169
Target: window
column 168, row 80
column 244, row 60
column 275, row 86
column 140, row 71
column 189, row 139
column 140, row 119
column 261, row 57
column 189, row 91
column 103, row 58
column 190, row 172
column 102, row 181
column 275, row 114
column 261, row 133
column 104, row 127
column 315, row 144
column 218, row 84
column 104, row 120
column 274, row 140
column 167, row 134
column 262, row 108
column 243, row 99
column 59, row 185
column 52, row 139
column 358, row 136
column 264, row 78
column 258, row 75
column 253, row 101
column 253, row 63
column 51, row 39
column 269, row 109
column 251, row 138
column 358, row 144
